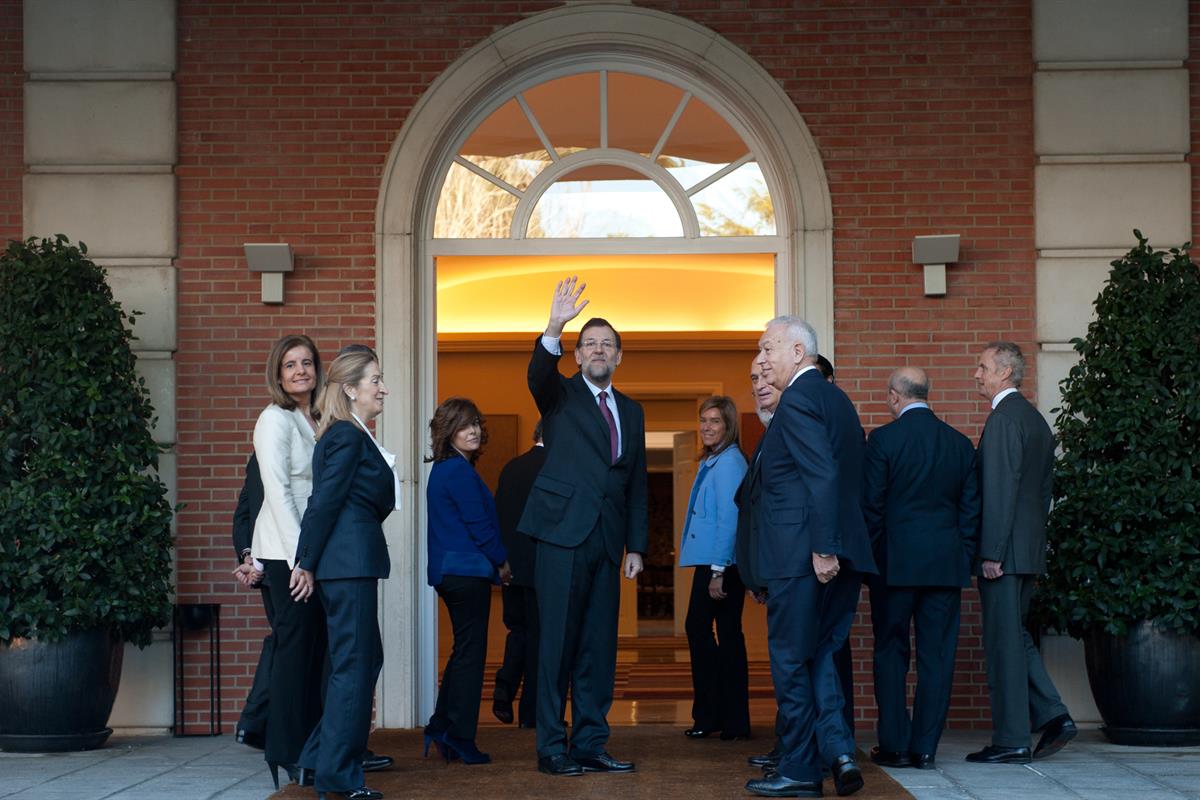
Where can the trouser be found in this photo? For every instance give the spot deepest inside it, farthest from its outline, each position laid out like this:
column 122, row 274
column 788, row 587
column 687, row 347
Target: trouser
column 519, row 669
column 468, row 601
column 720, row 675
column 253, row 719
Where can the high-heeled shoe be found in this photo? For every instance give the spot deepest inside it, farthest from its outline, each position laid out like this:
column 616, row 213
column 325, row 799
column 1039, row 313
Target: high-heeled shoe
column 435, row 740
column 294, row 772
column 465, row 749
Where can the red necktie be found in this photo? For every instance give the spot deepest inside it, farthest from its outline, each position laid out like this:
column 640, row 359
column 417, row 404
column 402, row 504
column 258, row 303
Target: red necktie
column 612, row 424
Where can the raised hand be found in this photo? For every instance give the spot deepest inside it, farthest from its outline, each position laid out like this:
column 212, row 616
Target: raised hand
column 565, row 306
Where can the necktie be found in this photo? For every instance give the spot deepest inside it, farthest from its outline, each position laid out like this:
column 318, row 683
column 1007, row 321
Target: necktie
column 606, row 412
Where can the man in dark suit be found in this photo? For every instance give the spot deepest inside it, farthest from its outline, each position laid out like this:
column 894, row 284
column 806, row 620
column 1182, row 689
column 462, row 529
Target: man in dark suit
column 921, row 503
column 1016, row 465
column 252, row 724
column 519, row 596
column 587, row 505
column 812, row 549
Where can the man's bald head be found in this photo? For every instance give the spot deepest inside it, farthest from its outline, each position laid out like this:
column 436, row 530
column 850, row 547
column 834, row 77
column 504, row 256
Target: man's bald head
column 911, row 383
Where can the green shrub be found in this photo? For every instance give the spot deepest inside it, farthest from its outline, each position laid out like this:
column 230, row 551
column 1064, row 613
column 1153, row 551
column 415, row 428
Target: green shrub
column 1124, row 529
column 85, row 526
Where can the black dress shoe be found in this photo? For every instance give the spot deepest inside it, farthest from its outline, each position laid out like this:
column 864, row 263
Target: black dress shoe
column 741, row 736
column 363, row 793
column 921, row 760
column 373, row 762
column 700, row 733
column 890, row 758
column 527, row 724
column 770, row 759
column 1055, row 736
column 992, row 754
column 502, row 706
column 603, row 762
column 846, row 775
column 780, row 786
column 251, row 739
column 560, row 765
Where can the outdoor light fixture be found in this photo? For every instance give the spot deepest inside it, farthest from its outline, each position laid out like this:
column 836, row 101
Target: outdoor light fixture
column 935, row 252
column 272, row 260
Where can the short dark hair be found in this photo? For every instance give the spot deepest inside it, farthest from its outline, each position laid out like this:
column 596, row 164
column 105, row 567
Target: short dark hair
column 825, row 366
column 596, row 322
column 275, row 369
column 729, row 415
column 454, row 414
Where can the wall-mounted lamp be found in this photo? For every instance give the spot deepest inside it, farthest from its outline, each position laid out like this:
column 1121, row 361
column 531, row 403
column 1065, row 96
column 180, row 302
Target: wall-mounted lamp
column 272, row 260
column 935, row 252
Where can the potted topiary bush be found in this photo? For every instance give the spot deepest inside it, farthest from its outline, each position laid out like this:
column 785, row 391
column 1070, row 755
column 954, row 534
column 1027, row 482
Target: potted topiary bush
column 1124, row 533
column 85, row 526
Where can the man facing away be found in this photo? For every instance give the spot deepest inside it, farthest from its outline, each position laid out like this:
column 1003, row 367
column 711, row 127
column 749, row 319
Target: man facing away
column 921, row 503
column 519, row 668
column 812, row 548
column 1016, row 464
column 587, row 505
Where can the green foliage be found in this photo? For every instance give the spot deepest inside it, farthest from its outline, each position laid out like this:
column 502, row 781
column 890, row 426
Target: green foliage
column 85, row 526
column 1124, row 531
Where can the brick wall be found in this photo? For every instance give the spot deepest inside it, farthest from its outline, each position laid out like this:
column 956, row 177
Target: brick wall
column 12, row 134
column 922, row 112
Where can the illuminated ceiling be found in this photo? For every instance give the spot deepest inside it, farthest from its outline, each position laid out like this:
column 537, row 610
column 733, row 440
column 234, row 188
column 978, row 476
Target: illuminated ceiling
column 653, row 293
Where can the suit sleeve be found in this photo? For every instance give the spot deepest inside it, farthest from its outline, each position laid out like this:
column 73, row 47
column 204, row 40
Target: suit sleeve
column 636, row 536
column 727, row 476
column 969, row 511
column 807, row 443
column 875, row 481
column 272, row 447
column 545, row 384
column 1000, row 470
column 243, row 518
column 475, row 514
column 335, row 464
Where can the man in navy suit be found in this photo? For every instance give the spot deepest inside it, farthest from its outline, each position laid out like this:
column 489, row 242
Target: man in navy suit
column 921, row 505
column 587, row 506
column 519, row 597
column 812, row 548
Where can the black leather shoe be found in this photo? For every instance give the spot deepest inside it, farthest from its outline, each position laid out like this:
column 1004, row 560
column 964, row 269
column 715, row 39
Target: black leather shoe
column 251, row 739
column 890, row 758
column 1055, row 736
column 700, row 733
column 741, row 736
column 770, row 759
column 921, row 760
column 560, row 765
column 527, row 724
column 780, row 786
column 993, row 754
column 502, row 706
column 363, row 793
column 846, row 775
column 373, row 762
column 603, row 762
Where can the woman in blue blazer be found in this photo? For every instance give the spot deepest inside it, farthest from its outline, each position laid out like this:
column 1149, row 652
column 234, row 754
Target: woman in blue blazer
column 720, row 677
column 466, row 557
column 343, row 553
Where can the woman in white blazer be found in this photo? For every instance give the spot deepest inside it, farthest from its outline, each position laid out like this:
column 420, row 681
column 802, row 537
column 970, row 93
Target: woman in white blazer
column 284, row 438
column 720, row 678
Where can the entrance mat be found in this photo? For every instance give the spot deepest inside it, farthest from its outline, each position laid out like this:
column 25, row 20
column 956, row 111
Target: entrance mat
column 668, row 766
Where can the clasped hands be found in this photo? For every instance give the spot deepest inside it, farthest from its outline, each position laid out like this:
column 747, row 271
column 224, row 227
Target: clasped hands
column 825, row 567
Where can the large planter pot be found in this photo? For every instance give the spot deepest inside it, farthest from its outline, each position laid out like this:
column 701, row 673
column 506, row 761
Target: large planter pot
column 57, row 696
column 1146, row 685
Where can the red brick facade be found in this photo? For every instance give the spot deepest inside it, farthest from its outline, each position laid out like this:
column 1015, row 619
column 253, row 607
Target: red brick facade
column 12, row 133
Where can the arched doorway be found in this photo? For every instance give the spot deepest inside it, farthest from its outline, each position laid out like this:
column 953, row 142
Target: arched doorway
column 574, row 40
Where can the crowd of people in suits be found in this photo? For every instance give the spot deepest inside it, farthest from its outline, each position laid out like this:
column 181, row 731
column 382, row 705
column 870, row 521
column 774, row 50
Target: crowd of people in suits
column 819, row 509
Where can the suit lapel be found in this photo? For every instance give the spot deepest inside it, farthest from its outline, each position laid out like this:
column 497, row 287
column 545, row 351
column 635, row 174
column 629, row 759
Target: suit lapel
column 624, row 406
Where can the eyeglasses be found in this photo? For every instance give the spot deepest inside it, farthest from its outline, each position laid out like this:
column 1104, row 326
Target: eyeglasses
column 598, row 344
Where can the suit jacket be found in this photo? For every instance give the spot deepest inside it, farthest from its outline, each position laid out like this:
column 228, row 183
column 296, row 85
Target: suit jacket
column 578, row 488
column 463, row 532
column 283, row 443
column 1016, row 468
column 812, row 469
column 749, row 495
column 341, row 535
column 712, row 516
column 250, row 500
column 512, row 490
column 921, row 501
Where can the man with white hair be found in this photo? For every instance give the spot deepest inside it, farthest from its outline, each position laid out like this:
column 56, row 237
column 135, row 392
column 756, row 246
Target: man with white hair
column 812, row 549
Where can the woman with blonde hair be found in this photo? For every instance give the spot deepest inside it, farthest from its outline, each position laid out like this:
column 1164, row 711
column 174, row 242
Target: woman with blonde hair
column 342, row 556
column 284, row 438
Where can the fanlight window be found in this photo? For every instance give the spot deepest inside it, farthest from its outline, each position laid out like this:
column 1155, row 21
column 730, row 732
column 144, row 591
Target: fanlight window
column 602, row 155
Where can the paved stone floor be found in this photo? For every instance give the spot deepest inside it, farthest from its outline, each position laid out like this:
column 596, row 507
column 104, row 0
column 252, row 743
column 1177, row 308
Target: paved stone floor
column 165, row 768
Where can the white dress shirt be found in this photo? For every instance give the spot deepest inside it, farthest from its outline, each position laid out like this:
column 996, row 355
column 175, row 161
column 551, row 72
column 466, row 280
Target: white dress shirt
column 1001, row 395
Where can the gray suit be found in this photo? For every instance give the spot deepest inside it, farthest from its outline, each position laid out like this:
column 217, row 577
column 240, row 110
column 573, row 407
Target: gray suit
column 1016, row 465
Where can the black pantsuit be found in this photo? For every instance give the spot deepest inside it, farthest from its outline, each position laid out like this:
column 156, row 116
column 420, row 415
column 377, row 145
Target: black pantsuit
column 468, row 601
column 296, row 667
column 255, row 713
column 720, row 677
column 933, row 613
column 519, row 668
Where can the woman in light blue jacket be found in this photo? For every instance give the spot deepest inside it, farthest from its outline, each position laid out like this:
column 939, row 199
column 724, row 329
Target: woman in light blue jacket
column 720, row 677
